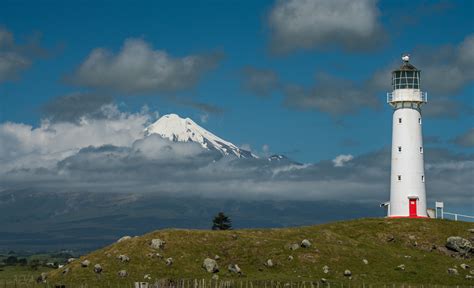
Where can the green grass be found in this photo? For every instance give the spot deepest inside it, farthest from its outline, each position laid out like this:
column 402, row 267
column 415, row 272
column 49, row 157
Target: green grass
column 340, row 245
column 11, row 275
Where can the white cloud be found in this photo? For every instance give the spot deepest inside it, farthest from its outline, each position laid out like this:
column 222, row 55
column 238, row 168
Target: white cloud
column 204, row 117
column 342, row 159
column 137, row 68
column 266, row 150
column 305, row 24
column 24, row 146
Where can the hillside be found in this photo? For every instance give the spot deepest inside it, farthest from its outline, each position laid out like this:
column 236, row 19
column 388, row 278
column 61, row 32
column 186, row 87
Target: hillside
column 385, row 243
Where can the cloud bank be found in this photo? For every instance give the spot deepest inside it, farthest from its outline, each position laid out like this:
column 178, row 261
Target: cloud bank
column 113, row 155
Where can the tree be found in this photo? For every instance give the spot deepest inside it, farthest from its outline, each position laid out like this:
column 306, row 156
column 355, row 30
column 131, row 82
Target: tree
column 34, row 264
column 22, row 262
column 221, row 222
column 11, row 261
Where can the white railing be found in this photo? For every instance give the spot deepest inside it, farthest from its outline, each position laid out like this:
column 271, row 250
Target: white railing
column 456, row 215
column 415, row 96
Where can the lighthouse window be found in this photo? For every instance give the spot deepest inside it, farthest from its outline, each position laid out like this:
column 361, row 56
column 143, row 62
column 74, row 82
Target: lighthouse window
column 399, row 120
column 399, row 177
column 419, row 121
column 406, row 79
column 399, row 148
column 421, row 149
column 422, row 178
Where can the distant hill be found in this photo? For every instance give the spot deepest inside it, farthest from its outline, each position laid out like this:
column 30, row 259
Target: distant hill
column 376, row 251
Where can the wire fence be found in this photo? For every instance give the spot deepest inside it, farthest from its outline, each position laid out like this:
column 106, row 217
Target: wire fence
column 205, row 283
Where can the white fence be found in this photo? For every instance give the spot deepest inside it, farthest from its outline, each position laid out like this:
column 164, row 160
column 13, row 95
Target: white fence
column 457, row 216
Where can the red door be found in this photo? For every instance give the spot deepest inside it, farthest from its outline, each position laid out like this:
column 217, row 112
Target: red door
column 413, row 208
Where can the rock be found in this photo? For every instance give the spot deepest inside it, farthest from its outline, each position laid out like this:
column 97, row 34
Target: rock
column 124, row 238
column 215, row 277
column 169, row 261
column 290, row 258
column 70, row 260
column 470, row 230
column 465, row 266
column 122, row 273
column 157, row 244
column 41, row 278
column 155, row 255
column 324, row 280
column 269, row 263
column 365, row 261
column 97, row 268
column 400, row 267
column 65, row 271
column 469, row 277
column 235, row 237
column 325, row 269
column 411, row 237
column 305, row 243
column 210, row 265
column 390, row 238
column 453, row 271
column 347, row 273
column 460, row 245
column 444, row 250
column 123, row 258
column 217, row 257
column 294, row 246
column 147, row 277
column 234, row 268
column 85, row 263
column 471, row 272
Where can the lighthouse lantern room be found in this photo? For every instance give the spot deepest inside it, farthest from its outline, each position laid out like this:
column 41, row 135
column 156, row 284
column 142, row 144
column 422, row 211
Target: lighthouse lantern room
column 407, row 178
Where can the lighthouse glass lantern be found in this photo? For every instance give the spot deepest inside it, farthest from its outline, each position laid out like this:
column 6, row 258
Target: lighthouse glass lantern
column 407, row 179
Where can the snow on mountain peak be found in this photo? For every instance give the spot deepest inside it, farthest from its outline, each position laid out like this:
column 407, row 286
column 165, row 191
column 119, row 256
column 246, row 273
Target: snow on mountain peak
column 177, row 129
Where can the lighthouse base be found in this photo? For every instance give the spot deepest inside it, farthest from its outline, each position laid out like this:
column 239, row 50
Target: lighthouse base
column 408, row 217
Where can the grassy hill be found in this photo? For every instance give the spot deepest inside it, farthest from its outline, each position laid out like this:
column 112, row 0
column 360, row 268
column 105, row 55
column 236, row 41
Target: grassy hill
column 384, row 243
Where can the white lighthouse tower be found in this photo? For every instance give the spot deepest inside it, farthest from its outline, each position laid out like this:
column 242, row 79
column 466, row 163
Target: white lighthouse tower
column 407, row 178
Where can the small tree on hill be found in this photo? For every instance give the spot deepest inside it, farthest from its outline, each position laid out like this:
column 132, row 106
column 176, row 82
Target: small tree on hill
column 221, row 222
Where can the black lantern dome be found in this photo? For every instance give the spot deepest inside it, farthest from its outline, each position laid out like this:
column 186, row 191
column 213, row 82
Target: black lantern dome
column 407, row 76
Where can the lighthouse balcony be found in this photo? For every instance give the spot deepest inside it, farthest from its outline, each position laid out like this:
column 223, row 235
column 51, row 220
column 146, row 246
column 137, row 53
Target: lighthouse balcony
column 407, row 95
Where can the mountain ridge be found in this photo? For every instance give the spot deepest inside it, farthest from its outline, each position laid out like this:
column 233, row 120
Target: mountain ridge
column 177, row 129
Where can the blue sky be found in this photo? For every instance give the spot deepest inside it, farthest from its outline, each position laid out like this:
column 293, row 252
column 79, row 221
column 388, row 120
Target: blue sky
column 80, row 81
column 68, row 32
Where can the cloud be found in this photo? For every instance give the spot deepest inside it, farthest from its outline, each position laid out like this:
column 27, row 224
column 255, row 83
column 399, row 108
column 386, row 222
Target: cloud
column 332, row 95
column 261, row 82
column 308, row 24
column 466, row 139
column 204, row 107
column 27, row 147
column 15, row 58
column 342, row 159
column 447, row 70
column 137, row 68
column 76, row 106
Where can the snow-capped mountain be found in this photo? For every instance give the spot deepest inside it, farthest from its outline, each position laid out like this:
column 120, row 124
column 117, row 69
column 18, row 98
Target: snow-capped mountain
column 179, row 129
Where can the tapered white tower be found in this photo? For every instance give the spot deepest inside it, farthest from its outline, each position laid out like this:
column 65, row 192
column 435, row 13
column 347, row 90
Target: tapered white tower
column 407, row 183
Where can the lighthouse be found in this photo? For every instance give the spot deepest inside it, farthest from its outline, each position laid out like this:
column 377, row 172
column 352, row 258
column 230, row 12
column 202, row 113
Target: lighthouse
column 407, row 178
